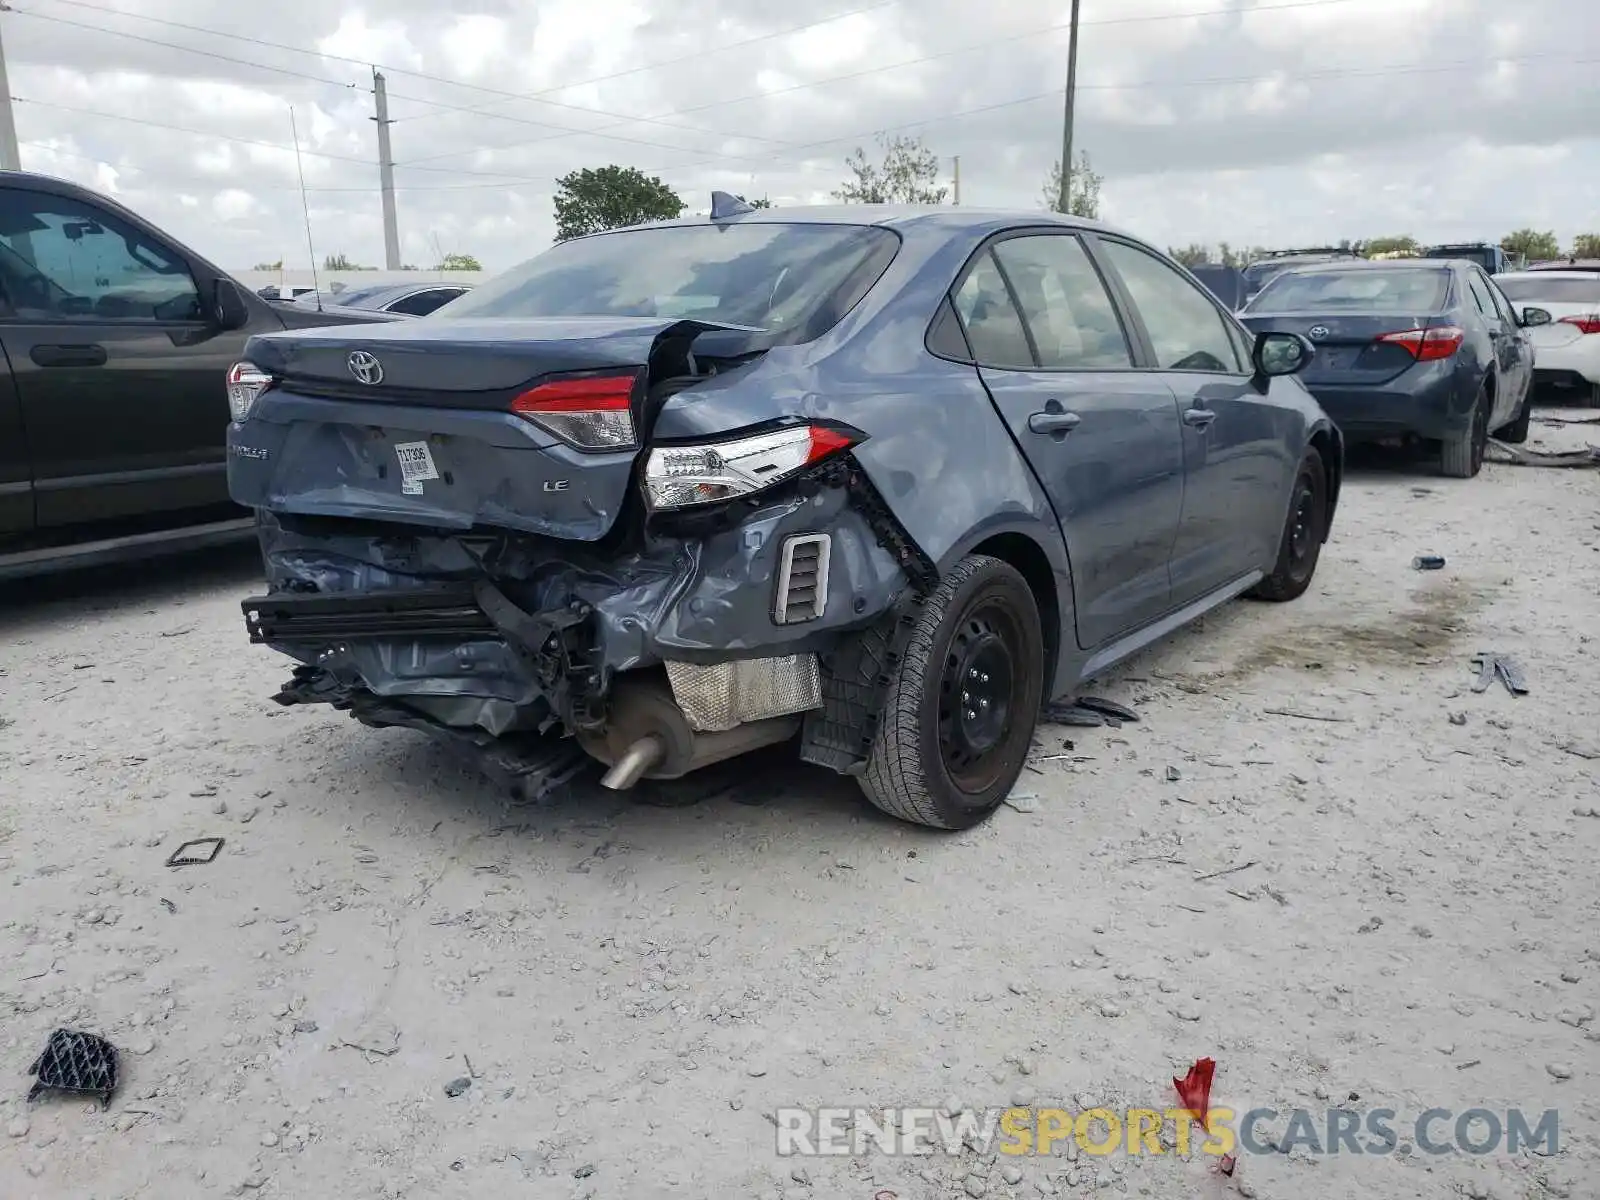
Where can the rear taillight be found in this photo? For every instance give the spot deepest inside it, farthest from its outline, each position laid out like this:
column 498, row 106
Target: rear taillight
column 684, row 476
column 591, row 412
column 1426, row 345
column 1587, row 323
column 246, row 382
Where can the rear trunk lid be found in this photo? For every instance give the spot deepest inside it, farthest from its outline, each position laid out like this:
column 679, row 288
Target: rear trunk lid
column 429, row 422
column 1348, row 350
column 1561, row 331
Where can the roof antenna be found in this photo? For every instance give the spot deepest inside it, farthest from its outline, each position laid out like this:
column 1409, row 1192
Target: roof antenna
column 725, row 205
column 305, row 207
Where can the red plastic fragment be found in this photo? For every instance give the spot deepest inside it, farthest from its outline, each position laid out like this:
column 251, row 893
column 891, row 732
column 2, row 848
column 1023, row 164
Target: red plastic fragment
column 1194, row 1089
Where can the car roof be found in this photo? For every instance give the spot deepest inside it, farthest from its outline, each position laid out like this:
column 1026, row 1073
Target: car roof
column 1588, row 276
column 889, row 216
column 1368, row 264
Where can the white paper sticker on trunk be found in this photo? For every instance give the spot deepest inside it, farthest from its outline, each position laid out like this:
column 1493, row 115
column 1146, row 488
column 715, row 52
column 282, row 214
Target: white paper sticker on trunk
column 416, row 465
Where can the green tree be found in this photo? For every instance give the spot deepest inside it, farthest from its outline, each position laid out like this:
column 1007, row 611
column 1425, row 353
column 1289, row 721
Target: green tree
column 341, row 262
column 1388, row 245
column 458, row 262
column 1531, row 245
column 1084, row 195
column 274, row 266
column 1191, row 255
column 1586, row 245
column 612, row 197
column 908, row 174
column 761, row 203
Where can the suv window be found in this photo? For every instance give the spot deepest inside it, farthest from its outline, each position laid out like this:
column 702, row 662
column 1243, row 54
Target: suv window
column 63, row 260
column 1065, row 304
column 994, row 330
column 1187, row 330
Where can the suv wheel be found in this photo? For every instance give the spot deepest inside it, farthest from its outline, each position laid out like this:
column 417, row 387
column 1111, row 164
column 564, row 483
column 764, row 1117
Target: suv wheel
column 959, row 715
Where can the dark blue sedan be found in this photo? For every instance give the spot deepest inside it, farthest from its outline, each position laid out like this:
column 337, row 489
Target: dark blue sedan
column 1410, row 349
column 872, row 480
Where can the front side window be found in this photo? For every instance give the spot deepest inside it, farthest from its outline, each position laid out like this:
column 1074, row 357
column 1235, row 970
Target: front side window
column 793, row 281
column 1064, row 301
column 1186, row 329
column 63, row 260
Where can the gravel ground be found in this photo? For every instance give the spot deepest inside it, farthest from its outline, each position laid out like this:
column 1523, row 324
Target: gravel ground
column 628, row 990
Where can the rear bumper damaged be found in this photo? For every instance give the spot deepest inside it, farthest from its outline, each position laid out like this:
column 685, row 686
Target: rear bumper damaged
column 698, row 643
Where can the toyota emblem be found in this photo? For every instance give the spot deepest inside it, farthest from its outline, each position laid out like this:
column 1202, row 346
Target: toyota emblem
column 1318, row 332
column 365, row 367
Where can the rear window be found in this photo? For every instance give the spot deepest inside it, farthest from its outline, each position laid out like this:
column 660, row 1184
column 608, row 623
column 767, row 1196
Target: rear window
column 1399, row 291
column 1555, row 290
column 795, row 281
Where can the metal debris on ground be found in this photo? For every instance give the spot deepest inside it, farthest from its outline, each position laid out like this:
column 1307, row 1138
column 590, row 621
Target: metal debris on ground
column 1516, row 456
column 76, row 1062
column 457, row 1087
column 1491, row 665
column 196, row 853
column 1428, row 562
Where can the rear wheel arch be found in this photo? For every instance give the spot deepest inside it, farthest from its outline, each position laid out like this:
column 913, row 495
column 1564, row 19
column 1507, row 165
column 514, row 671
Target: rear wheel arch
column 1030, row 560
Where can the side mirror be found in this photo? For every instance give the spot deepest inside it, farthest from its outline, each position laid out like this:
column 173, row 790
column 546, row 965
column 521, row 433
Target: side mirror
column 1281, row 354
column 1535, row 316
column 228, row 308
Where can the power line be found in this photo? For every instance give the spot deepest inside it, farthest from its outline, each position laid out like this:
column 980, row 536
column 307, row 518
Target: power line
column 955, row 52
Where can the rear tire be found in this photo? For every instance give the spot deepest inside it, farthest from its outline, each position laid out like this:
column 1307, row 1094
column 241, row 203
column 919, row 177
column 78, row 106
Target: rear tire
column 1517, row 432
column 1303, row 533
column 959, row 715
column 1461, row 456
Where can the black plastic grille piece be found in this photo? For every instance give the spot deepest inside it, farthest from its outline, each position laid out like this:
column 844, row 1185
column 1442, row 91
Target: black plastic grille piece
column 76, row 1062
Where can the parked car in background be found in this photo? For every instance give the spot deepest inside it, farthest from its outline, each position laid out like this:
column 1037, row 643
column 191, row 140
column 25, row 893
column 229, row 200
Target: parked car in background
column 1263, row 269
column 282, row 292
column 1410, row 348
column 1567, row 349
column 878, row 480
column 1489, row 258
column 405, row 299
column 1567, row 264
column 1227, row 284
column 113, row 415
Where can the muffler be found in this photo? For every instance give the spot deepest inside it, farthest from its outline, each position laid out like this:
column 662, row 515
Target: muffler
column 647, row 736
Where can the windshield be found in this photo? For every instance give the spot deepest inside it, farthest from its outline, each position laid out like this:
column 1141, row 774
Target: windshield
column 794, row 281
column 1552, row 288
column 1403, row 290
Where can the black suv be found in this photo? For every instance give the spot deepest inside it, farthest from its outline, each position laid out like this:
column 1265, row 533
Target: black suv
column 113, row 411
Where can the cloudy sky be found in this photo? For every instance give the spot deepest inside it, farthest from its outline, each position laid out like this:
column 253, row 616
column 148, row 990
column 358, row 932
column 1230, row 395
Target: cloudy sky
column 1250, row 121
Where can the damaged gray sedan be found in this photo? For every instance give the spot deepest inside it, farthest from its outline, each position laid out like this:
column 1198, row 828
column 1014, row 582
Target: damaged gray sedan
column 876, row 482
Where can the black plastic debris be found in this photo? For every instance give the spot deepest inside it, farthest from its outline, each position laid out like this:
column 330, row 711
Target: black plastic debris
column 1491, row 666
column 457, row 1087
column 1107, row 708
column 76, row 1062
column 196, row 853
column 1072, row 714
column 1428, row 562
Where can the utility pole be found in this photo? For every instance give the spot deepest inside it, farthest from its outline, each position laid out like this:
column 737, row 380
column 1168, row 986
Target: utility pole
column 10, row 155
column 391, row 223
column 956, row 196
column 1064, row 201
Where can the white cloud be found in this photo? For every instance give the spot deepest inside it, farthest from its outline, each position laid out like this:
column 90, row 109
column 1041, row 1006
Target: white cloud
column 1251, row 121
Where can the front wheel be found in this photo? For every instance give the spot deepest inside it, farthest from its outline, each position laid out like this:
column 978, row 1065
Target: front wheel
column 1303, row 534
column 1461, row 457
column 959, row 715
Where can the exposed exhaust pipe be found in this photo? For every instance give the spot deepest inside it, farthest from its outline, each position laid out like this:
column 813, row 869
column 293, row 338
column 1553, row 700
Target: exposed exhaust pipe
column 635, row 761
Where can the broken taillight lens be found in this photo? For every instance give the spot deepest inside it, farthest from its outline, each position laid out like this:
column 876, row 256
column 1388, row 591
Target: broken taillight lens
column 684, row 476
column 591, row 412
column 246, row 382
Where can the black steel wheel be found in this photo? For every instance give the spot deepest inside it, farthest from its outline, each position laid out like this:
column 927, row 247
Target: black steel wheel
column 1304, row 531
column 959, row 716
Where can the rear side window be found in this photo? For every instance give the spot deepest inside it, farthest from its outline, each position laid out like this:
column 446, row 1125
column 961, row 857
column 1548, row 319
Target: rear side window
column 1417, row 290
column 1480, row 297
column 1064, row 301
column 1186, row 329
column 423, row 303
column 994, row 330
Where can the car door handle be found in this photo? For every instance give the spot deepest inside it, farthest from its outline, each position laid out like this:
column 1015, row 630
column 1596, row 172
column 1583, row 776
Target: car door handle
column 1199, row 418
column 69, row 356
column 1054, row 421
